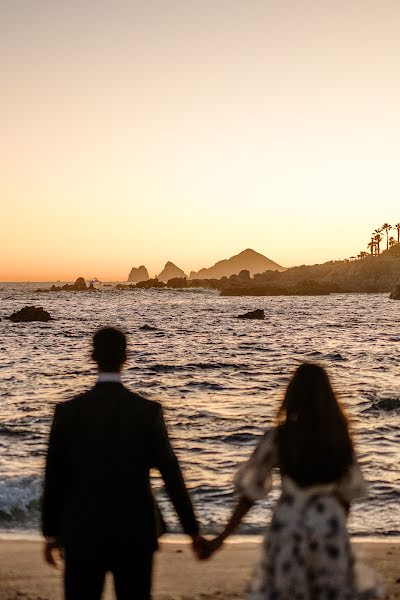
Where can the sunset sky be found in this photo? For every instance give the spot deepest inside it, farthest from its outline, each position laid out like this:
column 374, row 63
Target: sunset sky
column 139, row 132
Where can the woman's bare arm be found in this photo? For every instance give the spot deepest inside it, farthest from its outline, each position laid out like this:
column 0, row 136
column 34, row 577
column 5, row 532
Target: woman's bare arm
column 239, row 512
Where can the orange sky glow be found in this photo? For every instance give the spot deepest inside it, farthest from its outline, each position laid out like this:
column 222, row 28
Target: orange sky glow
column 136, row 133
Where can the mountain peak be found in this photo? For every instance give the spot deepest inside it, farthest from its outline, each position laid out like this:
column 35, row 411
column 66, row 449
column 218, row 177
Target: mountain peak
column 170, row 271
column 249, row 252
column 248, row 260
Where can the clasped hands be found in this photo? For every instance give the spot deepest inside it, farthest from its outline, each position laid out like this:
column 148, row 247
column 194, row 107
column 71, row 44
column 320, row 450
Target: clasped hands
column 204, row 548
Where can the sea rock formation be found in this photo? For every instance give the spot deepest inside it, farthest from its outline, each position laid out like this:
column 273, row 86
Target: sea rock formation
column 254, row 314
column 248, row 260
column 151, row 283
column 138, row 274
column 177, row 283
column 78, row 286
column 210, row 284
column 170, row 271
column 395, row 294
column 123, row 286
column 30, row 313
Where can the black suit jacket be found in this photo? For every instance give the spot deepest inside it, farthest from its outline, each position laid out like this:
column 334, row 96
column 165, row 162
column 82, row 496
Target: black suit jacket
column 97, row 490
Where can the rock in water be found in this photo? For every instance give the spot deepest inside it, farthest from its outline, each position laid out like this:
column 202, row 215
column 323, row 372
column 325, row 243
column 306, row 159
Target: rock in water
column 80, row 285
column 395, row 295
column 254, row 314
column 148, row 328
column 150, row 283
column 178, row 283
column 30, row 313
column 138, row 274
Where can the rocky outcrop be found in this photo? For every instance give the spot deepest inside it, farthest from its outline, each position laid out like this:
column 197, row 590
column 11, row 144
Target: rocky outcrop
column 30, row 313
column 311, row 288
column 150, row 283
column 254, row 314
column 138, row 274
column 170, row 271
column 78, row 286
column 248, row 260
column 395, row 294
column 177, row 283
column 210, row 284
column 373, row 274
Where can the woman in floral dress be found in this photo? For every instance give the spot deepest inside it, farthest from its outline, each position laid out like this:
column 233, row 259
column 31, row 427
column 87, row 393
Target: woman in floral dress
column 306, row 553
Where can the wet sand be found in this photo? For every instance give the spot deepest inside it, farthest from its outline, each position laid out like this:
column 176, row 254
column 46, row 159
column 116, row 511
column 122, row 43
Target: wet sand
column 178, row 576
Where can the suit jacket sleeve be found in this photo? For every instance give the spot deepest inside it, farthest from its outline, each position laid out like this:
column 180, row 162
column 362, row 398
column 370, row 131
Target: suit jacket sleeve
column 54, row 483
column 166, row 462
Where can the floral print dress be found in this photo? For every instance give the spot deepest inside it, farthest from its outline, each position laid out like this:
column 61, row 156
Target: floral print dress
column 306, row 553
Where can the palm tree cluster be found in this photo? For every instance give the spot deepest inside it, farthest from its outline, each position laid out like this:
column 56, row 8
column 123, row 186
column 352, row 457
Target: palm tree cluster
column 374, row 245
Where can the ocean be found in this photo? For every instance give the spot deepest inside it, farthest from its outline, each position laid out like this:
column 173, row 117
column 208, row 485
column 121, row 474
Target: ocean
column 219, row 379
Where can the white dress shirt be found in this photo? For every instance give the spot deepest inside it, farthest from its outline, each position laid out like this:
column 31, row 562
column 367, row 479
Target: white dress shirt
column 107, row 377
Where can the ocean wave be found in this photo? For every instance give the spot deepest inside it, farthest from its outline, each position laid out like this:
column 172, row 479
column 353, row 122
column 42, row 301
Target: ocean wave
column 207, row 385
column 201, row 366
column 333, row 356
column 13, row 431
column 240, row 438
column 20, row 498
column 384, row 405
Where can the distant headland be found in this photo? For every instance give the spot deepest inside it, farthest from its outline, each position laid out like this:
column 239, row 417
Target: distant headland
column 248, row 260
column 250, row 273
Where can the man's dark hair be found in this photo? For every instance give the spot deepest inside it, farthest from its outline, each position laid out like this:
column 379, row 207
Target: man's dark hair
column 109, row 349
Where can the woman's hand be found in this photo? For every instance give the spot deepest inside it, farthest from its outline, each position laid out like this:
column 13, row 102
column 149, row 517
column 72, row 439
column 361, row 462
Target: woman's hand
column 200, row 547
column 215, row 544
column 204, row 549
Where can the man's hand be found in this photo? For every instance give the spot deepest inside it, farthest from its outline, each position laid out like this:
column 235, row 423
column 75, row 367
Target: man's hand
column 51, row 550
column 200, row 547
column 204, row 548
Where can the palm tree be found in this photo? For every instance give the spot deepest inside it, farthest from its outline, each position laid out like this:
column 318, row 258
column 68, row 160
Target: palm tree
column 378, row 238
column 392, row 242
column 371, row 246
column 386, row 228
column 397, row 226
column 362, row 254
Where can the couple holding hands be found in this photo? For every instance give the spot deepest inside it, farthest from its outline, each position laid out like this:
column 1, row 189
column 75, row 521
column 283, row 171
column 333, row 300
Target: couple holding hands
column 98, row 505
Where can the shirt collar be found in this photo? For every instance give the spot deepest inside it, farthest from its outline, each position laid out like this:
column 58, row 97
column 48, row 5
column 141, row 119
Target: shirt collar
column 109, row 378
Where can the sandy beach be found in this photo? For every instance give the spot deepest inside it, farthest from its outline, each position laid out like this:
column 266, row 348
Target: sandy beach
column 178, row 576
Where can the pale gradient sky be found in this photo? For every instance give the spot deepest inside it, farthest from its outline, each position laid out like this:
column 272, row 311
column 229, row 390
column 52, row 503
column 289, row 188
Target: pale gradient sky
column 140, row 132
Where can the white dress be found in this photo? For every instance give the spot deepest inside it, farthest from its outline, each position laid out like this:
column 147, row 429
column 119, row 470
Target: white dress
column 306, row 553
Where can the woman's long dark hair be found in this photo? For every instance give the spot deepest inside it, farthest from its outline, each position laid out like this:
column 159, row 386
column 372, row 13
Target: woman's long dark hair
column 314, row 443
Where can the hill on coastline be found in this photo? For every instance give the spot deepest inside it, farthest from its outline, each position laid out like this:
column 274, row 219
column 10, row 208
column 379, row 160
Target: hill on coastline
column 371, row 274
column 248, row 260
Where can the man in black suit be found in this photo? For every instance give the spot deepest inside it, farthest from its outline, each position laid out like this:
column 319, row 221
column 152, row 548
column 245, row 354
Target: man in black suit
column 97, row 503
